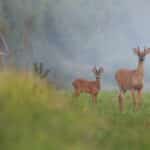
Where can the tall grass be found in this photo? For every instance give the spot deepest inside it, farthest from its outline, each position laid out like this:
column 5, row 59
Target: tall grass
column 35, row 116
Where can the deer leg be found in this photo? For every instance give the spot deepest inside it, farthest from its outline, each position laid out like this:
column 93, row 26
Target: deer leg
column 121, row 101
column 77, row 93
column 139, row 99
column 94, row 99
column 134, row 98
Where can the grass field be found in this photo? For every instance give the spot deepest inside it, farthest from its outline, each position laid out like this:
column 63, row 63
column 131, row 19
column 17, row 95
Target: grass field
column 35, row 116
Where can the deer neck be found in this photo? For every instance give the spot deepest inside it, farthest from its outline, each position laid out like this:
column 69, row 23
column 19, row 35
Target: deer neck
column 140, row 68
column 98, row 82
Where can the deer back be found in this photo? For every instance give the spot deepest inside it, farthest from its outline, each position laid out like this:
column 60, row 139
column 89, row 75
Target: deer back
column 83, row 85
column 129, row 79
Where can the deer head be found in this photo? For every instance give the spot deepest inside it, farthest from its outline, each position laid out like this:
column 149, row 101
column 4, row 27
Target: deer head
column 97, row 72
column 141, row 54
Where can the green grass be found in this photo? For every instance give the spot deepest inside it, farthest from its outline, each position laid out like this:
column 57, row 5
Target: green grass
column 35, row 116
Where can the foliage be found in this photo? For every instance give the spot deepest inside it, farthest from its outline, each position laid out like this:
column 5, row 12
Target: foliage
column 35, row 116
column 4, row 27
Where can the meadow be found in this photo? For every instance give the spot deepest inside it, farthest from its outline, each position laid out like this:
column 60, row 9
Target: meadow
column 36, row 116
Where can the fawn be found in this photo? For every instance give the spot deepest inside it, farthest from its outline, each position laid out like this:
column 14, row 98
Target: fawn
column 132, row 80
column 90, row 87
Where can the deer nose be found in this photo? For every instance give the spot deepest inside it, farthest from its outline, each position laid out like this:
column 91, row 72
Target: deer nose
column 142, row 58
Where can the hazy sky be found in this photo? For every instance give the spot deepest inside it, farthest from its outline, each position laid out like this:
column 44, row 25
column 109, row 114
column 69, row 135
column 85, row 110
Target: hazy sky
column 75, row 35
column 99, row 32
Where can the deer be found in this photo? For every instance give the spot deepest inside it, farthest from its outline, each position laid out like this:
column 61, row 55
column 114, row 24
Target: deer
column 81, row 85
column 132, row 80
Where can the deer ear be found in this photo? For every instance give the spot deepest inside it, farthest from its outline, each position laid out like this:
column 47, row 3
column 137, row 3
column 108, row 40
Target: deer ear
column 136, row 50
column 146, row 51
column 101, row 69
column 94, row 69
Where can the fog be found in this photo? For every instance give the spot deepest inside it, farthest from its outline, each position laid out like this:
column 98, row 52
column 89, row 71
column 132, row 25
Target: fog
column 71, row 36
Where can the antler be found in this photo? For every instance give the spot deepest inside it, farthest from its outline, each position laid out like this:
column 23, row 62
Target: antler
column 39, row 69
column 136, row 50
column 94, row 69
column 101, row 69
column 146, row 50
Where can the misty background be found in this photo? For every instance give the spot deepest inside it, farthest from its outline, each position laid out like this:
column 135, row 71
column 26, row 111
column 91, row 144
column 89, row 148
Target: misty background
column 71, row 36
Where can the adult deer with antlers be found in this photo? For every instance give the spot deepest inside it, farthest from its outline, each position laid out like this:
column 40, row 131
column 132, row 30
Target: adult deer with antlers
column 90, row 87
column 132, row 80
